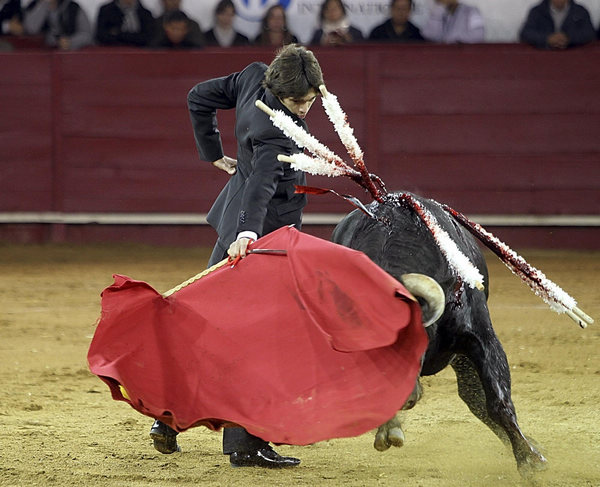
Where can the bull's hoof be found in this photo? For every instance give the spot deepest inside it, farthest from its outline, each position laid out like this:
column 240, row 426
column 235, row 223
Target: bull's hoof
column 535, row 462
column 391, row 437
column 381, row 443
column 396, row 437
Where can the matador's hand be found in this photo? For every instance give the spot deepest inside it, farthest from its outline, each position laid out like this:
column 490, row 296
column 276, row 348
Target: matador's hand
column 239, row 248
column 226, row 164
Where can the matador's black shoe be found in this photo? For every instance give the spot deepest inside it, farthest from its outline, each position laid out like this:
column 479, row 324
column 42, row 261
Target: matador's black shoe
column 265, row 457
column 165, row 438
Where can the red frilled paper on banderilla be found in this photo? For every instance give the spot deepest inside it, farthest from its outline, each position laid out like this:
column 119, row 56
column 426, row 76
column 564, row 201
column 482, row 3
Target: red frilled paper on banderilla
column 297, row 348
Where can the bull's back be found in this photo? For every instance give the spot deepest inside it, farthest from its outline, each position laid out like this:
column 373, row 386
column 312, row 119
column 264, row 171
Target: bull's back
column 398, row 240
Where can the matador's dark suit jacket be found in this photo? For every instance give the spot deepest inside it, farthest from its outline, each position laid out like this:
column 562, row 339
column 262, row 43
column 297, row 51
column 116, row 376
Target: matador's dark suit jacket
column 260, row 196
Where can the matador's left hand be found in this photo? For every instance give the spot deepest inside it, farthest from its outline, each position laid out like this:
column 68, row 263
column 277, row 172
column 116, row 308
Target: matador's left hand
column 226, row 164
column 239, row 248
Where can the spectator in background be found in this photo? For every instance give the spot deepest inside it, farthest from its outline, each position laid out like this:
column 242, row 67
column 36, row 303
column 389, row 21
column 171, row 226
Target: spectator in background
column 175, row 32
column 11, row 18
column 193, row 36
column 223, row 34
column 335, row 29
column 558, row 24
column 452, row 22
column 125, row 23
column 274, row 30
column 397, row 28
column 64, row 24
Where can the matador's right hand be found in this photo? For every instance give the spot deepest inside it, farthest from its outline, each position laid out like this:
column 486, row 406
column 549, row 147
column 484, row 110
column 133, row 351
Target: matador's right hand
column 226, row 164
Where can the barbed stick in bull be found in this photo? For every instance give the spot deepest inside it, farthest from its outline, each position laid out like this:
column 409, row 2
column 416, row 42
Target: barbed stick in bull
column 326, row 163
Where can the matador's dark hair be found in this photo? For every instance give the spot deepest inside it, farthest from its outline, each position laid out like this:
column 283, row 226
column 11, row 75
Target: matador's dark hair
column 293, row 73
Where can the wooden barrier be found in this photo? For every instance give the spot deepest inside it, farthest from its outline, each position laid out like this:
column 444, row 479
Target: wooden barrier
column 488, row 129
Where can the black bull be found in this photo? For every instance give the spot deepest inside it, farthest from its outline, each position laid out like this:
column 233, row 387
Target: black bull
column 398, row 241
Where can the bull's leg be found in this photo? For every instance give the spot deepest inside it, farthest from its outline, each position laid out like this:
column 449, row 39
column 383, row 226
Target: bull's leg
column 471, row 392
column 484, row 384
column 391, row 433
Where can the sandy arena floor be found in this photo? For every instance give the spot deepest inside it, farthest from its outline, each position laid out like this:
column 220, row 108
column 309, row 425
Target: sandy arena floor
column 59, row 426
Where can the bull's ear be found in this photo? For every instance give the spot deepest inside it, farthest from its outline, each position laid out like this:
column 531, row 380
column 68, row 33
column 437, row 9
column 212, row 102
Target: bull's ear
column 429, row 293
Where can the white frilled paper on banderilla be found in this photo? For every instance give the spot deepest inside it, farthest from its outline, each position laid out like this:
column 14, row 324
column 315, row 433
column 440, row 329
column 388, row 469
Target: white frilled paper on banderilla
column 551, row 293
column 326, row 163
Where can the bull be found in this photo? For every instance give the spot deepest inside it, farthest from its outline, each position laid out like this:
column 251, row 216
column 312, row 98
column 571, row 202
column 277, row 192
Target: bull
column 406, row 234
column 395, row 238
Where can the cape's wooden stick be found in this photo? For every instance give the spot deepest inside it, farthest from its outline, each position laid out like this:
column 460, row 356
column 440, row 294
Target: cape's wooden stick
column 195, row 278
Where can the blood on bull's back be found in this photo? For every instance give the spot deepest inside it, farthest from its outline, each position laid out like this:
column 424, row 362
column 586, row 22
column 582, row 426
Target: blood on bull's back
column 397, row 239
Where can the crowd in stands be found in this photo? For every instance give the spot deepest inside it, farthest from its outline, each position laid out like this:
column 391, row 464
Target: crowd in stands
column 551, row 24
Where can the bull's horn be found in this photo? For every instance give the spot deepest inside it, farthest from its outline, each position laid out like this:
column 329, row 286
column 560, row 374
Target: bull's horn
column 422, row 286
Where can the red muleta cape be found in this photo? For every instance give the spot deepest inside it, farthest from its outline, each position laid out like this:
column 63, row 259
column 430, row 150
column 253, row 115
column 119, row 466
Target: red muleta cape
column 315, row 344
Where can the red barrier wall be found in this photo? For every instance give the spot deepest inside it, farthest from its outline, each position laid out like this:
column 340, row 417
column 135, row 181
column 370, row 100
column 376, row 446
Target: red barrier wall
column 488, row 129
